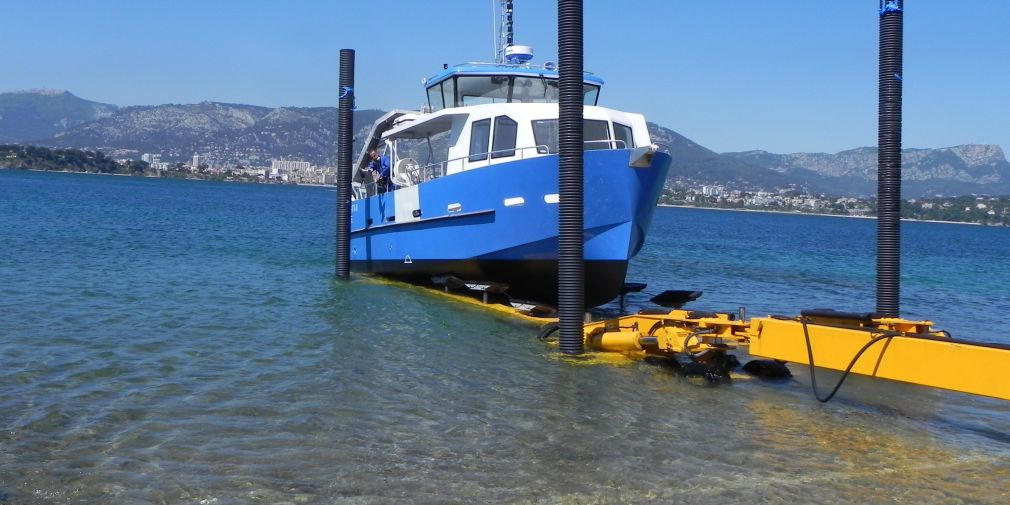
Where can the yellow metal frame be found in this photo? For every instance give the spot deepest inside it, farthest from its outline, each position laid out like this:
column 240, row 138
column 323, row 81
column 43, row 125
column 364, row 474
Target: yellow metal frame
column 913, row 354
column 906, row 351
column 911, row 351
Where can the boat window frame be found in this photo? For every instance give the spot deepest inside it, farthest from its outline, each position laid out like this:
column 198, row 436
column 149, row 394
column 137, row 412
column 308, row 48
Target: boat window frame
column 596, row 144
column 630, row 142
column 452, row 94
column 440, row 95
column 482, row 155
column 548, row 88
column 551, row 144
column 588, row 144
column 498, row 151
column 590, row 92
column 483, row 99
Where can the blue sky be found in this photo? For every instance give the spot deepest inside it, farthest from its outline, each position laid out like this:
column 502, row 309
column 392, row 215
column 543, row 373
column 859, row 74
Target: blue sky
column 782, row 76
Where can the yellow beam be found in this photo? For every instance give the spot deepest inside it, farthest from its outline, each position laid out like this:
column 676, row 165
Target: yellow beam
column 968, row 367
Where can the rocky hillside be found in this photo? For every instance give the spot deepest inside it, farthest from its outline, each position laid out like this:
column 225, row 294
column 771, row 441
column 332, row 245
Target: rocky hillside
column 945, row 172
column 230, row 134
column 39, row 114
column 219, row 132
column 694, row 164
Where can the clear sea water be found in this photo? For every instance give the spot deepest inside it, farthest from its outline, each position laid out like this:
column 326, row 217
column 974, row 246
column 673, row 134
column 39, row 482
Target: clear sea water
column 185, row 342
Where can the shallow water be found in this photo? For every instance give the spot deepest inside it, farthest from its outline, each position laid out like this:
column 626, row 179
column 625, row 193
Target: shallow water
column 185, row 342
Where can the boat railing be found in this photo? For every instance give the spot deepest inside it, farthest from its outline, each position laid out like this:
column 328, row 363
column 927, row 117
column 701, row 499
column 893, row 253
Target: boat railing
column 418, row 174
column 435, row 170
column 609, row 144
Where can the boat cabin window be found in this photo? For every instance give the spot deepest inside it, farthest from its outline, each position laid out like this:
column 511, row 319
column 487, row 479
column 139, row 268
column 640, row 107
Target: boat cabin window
column 595, row 134
column 534, row 90
column 545, row 134
column 477, row 90
column 449, row 92
column 623, row 133
column 505, row 129
column 435, row 98
column 480, row 133
column 480, row 89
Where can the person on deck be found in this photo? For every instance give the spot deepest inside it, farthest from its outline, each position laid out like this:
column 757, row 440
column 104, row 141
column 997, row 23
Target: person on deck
column 380, row 168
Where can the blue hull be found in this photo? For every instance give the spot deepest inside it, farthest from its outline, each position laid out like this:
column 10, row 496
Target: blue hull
column 465, row 228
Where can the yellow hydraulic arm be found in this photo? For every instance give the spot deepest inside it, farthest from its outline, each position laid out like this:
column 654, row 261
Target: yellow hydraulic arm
column 891, row 348
column 865, row 344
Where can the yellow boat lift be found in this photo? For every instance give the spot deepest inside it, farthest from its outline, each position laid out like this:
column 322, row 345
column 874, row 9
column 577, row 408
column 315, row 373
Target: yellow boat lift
column 865, row 344
column 699, row 342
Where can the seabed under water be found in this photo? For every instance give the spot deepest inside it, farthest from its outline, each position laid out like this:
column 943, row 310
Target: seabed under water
column 160, row 347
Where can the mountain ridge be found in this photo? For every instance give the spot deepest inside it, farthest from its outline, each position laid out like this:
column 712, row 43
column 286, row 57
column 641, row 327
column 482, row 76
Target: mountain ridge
column 41, row 113
column 230, row 134
column 968, row 168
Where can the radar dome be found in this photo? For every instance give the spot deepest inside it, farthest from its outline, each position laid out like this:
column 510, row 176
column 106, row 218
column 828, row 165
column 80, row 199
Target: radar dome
column 518, row 54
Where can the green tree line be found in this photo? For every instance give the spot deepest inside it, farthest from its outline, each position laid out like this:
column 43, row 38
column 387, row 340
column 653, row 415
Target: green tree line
column 68, row 160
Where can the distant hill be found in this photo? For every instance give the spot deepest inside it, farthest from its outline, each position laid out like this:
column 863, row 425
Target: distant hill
column 40, row 114
column 694, row 164
column 230, row 134
column 980, row 169
column 219, row 132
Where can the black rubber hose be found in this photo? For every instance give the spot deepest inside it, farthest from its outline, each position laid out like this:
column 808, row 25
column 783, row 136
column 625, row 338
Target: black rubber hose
column 571, row 281
column 848, row 369
column 692, row 336
column 546, row 331
column 345, row 138
column 889, row 158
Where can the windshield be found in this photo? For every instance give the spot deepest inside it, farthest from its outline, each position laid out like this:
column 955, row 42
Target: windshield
column 534, row 90
column 480, row 89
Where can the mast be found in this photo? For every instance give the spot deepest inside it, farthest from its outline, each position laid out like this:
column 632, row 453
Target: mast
column 506, row 34
column 508, row 53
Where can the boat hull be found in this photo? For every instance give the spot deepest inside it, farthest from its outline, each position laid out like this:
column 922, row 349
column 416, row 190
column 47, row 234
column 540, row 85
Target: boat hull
column 500, row 224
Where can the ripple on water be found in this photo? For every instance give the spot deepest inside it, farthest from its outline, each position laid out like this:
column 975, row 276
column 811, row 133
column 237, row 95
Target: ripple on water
column 190, row 346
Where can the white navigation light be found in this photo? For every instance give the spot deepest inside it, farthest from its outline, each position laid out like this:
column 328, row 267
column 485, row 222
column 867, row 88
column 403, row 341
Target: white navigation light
column 518, row 55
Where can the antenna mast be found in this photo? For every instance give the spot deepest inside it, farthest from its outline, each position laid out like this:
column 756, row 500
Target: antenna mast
column 505, row 38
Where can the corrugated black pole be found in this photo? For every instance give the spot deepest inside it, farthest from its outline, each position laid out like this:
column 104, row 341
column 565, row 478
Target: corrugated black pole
column 889, row 159
column 571, row 281
column 345, row 138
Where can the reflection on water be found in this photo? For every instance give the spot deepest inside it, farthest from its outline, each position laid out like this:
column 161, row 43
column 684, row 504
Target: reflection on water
column 199, row 362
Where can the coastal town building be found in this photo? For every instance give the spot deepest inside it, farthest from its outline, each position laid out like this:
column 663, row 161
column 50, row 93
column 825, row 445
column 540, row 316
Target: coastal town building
column 289, row 165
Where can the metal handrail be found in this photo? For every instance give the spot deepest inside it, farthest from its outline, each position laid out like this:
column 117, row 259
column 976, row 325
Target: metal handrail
column 438, row 169
column 612, row 143
column 435, row 170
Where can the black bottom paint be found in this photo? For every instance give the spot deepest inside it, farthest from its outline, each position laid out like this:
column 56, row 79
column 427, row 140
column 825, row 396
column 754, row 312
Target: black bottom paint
column 533, row 280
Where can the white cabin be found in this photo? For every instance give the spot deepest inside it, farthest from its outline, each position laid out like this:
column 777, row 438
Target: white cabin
column 481, row 115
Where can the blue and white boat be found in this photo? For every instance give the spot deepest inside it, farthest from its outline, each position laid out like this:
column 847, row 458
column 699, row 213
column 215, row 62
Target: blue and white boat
column 481, row 203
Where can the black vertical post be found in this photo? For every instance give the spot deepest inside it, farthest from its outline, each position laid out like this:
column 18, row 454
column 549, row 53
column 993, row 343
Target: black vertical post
column 889, row 159
column 345, row 139
column 571, row 281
